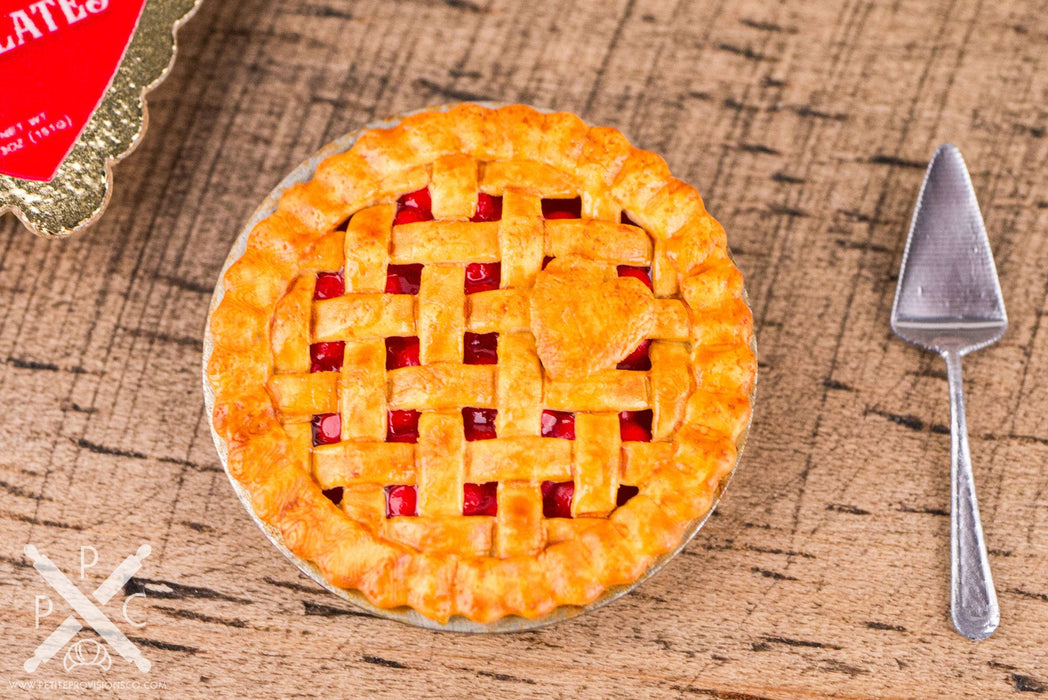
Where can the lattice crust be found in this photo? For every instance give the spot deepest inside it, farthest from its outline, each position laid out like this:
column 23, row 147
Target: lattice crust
column 517, row 561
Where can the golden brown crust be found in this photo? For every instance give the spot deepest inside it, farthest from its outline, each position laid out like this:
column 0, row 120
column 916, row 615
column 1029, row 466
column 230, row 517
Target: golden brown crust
column 518, row 562
column 585, row 318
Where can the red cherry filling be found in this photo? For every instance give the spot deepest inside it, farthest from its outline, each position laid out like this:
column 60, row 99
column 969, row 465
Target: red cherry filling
column 479, row 423
column 414, row 206
column 638, row 360
column 481, row 349
column 480, row 499
column 419, row 199
column 488, row 208
column 558, row 424
column 334, row 495
column 546, row 261
column 329, row 285
column 635, row 426
column 327, row 428
column 562, row 208
column 401, row 500
column 411, row 216
column 625, row 494
column 403, row 279
column 641, row 273
column 326, row 357
column 402, row 352
column 483, row 277
column 402, row 426
column 625, row 219
column 556, row 499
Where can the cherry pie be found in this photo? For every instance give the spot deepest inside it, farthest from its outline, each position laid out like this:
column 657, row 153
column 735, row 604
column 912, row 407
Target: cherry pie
column 485, row 363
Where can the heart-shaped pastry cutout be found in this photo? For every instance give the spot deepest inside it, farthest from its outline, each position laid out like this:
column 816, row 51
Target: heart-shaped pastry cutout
column 585, row 318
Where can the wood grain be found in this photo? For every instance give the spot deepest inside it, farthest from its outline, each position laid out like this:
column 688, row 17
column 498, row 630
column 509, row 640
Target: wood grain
column 806, row 126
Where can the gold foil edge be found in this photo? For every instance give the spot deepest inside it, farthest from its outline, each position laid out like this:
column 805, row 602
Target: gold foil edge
column 78, row 193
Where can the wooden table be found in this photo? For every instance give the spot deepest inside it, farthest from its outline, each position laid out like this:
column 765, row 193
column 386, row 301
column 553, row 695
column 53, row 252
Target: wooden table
column 806, row 126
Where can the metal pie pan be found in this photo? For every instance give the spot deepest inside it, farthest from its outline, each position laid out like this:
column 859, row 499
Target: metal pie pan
column 512, row 623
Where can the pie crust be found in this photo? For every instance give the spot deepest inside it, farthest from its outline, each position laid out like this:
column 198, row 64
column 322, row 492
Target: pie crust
column 581, row 381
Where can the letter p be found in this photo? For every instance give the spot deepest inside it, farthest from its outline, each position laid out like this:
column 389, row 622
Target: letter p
column 83, row 559
column 50, row 608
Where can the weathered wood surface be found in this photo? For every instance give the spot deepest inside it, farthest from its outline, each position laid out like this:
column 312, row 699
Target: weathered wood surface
column 806, row 126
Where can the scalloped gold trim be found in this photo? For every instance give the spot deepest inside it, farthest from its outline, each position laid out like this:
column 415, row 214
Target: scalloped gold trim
column 78, row 193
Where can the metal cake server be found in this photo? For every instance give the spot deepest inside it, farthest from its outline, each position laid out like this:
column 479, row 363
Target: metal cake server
column 949, row 300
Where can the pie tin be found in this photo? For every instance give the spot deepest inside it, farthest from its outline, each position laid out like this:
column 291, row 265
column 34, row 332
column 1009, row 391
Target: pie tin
column 510, row 623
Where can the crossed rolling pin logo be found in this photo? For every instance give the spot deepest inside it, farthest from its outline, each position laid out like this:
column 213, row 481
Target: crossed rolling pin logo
column 87, row 610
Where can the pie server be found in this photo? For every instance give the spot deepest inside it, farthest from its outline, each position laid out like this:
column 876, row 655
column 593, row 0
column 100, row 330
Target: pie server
column 949, row 300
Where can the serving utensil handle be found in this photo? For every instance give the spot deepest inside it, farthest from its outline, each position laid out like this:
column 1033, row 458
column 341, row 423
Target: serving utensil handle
column 973, row 600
